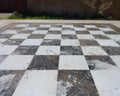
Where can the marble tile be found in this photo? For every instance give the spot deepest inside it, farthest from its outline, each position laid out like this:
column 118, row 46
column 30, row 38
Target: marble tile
column 30, row 28
column 112, row 50
column 49, row 42
column 114, row 37
column 107, row 82
column 82, row 32
column 71, row 50
column 41, row 62
column 20, row 36
column 10, row 32
column 100, row 63
column 69, row 37
column 25, row 50
column 21, row 25
column 73, row 63
column 54, row 32
column 106, row 29
column 39, row 83
column 107, row 43
column 13, row 42
column 68, row 42
column 5, row 36
column 97, row 32
column 90, row 26
column 80, row 29
column 11, row 62
column 7, row 50
column 68, row 32
column 40, row 32
column 3, row 40
column 32, row 42
column 100, row 37
column 25, row 32
column 93, row 50
column 8, row 81
column 48, row 50
column 67, row 26
column 36, row 36
column 84, row 36
column 116, row 59
column 55, row 29
column 2, row 58
column 52, row 36
column 76, row 83
column 88, row 42
column 45, row 25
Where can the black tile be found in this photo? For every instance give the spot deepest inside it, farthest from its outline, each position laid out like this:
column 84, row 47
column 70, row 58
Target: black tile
column 71, row 50
column 44, row 63
column 69, row 37
column 88, row 43
column 75, row 83
column 25, row 50
column 9, row 81
column 54, row 32
column 36, row 36
column 2, row 58
column 5, row 36
column 99, row 62
column 112, row 50
column 51, row 42
column 25, row 32
column 111, row 32
column 13, row 42
column 101, row 37
column 82, row 32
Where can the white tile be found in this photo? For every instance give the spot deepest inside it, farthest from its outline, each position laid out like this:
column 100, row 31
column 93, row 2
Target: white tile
column 33, row 42
column 116, row 59
column 73, row 63
column 107, row 43
column 93, row 50
column 97, row 32
column 20, row 36
column 106, row 29
column 80, row 29
column 55, row 29
column 30, row 28
column 40, row 32
column 10, row 32
column 6, row 50
column 90, row 26
column 52, row 36
column 16, row 62
column 107, row 82
column 2, row 40
column 37, row 83
column 81, row 36
column 68, row 32
column 48, row 50
column 22, row 25
column 114, row 37
column 67, row 26
column 67, row 42
column 45, row 26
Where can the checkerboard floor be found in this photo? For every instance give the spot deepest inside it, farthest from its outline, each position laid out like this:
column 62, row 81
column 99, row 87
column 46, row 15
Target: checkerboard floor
column 60, row 60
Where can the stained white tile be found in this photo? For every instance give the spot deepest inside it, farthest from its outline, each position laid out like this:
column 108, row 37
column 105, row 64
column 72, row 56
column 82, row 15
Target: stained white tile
column 107, row 43
column 116, row 59
column 7, row 50
column 10, row 32
column 82, row 36
column 68, row 32
column 22, row 25
column 37, row 83
column 67, row 42
column 97, row 32
column 48, row 50
column 16, row 62
column 53, row 36
column 33, row 42
column 106, row 29
column 20, row 36
column 90, row 26
column 30, row 28
column 114, row 37
column 40, row 32
column 80, row 29
column 107, row 82
column 93, row 50
column 73, row 63
column 45, row 26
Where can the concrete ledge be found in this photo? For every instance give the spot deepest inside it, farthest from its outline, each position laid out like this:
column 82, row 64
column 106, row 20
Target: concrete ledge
column 5, row 15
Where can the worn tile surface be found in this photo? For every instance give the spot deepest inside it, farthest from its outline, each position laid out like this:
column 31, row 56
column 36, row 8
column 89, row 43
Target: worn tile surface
column 59, row 60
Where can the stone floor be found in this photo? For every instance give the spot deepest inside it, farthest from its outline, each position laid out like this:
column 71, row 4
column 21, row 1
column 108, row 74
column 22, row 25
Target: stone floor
column 59, row 60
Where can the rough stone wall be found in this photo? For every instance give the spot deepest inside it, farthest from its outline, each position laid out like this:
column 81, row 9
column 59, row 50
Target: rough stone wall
column 77, row 8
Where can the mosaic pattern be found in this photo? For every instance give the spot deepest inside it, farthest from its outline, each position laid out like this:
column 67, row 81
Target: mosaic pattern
column 60, row 60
